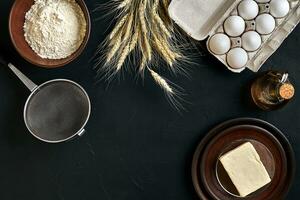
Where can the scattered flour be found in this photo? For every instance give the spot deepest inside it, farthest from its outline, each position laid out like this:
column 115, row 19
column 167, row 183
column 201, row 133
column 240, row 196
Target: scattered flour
column 55, row 29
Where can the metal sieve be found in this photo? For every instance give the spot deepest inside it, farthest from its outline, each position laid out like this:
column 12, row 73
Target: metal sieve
column 55, row 111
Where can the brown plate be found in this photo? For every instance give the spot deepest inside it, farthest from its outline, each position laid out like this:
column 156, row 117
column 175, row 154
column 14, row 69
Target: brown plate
column 16, row 22
column 267, row 146
column 206, row 188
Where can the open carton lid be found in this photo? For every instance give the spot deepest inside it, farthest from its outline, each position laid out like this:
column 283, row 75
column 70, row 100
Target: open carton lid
column 199, row 18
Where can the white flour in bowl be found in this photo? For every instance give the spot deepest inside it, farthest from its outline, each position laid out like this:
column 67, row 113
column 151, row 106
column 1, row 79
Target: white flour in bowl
column 54, row 29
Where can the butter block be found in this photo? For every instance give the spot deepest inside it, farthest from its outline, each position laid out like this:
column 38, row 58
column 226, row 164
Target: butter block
column 245, row 169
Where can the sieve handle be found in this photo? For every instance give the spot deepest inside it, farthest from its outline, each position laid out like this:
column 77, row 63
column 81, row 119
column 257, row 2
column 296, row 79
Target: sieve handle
column 81, row 133
column 29, row 84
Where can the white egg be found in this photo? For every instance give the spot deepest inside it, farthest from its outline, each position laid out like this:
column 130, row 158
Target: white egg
column 237, row 58
column 251, row 41
column 219, row 43
column 234, row 26
column 279, row 8
column 248, row 9
column 262, row 1
column 265, row 24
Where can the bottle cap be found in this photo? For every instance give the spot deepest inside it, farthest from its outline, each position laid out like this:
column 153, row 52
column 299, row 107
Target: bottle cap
column 286, row 91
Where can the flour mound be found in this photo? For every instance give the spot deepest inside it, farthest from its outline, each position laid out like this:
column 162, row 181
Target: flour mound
column 54, row 29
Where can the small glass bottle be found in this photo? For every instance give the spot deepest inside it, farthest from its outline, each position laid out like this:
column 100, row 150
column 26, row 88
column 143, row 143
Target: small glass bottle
column 272, row 90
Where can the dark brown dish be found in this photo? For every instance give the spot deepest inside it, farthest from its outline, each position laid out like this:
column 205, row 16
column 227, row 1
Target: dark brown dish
column 233, row 137
column 229, row 135
column 16, row 22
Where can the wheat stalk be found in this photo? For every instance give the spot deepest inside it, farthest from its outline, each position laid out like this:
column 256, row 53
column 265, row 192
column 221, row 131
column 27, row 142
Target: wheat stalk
column 144, row 24
column 144, row 31
column 143, row 64
column 126, row 51
column 120, row 39
column 162, row 50
column 161, row 81
column 114, row 49
column 127, row 29
column 118, row 26
column 136, row 19
column 123, row 56
column 173, row 55
column 158, row 20
column 134, row 41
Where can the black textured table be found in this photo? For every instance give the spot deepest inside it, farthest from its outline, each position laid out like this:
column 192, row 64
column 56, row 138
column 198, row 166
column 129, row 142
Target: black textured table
column 137, row 146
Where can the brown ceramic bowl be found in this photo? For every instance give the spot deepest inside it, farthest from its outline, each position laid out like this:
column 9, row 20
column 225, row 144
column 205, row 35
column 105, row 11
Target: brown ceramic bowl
column 16, row 22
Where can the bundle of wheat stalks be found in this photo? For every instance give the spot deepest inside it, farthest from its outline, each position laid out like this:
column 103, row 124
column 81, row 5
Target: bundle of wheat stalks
column 145, row 31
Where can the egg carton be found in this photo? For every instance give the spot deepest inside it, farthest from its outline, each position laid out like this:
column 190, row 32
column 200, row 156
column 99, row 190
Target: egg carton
column 201, row 19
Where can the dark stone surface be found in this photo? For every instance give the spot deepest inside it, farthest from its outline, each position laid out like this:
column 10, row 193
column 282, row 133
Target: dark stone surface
column 137, row 146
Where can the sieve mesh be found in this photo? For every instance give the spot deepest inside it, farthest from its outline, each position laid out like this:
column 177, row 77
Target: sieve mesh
column 57, row 111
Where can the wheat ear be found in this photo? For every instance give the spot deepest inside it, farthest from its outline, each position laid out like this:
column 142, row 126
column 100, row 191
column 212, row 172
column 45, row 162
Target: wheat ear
column 114, row 49
column 124, row 4
column 170, row 52
column 143, row 64
column 118, row 26
column 162, row 50
column 120, row 39
column 134, row 41
column 142, row 9
column 128, row 29
column 161, row 82
column 123, row 56
column 166, row 4
column 158, row 20
column 127, row 50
